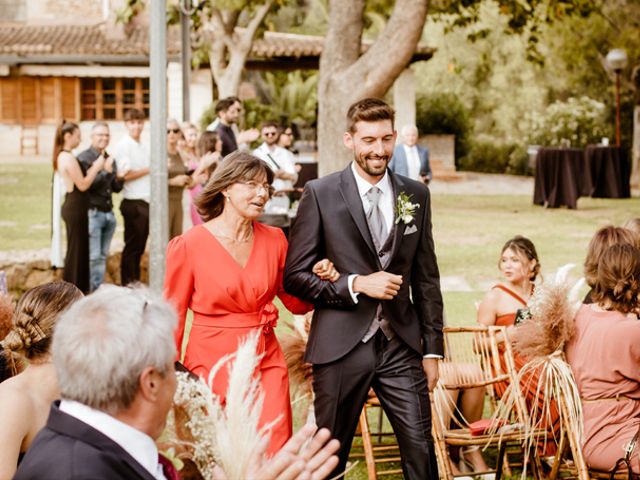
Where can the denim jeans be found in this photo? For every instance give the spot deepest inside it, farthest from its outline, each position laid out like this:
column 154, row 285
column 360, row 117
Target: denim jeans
column 101, row 228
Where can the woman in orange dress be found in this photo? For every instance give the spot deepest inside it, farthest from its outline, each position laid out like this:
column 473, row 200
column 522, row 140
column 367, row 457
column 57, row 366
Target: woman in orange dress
column 228, row 271
column 506, row 305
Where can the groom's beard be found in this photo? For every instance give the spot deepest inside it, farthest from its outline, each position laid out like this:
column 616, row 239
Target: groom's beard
column 374, row 165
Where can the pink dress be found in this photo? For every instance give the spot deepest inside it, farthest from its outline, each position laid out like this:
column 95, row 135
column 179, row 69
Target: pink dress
column 193, row 193
column 604, row 355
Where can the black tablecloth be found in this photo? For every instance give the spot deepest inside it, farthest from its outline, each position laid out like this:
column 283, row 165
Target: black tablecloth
column 559, row 177
column 609, row 171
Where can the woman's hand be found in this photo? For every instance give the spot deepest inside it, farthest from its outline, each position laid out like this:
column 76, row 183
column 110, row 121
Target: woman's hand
column 326, row 270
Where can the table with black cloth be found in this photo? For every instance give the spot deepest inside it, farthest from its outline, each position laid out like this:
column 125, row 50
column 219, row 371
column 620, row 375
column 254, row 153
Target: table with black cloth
column 559, row 177
column 609, row 171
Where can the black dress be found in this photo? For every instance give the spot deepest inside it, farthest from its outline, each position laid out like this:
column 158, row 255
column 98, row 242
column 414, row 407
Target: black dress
column 75, row 212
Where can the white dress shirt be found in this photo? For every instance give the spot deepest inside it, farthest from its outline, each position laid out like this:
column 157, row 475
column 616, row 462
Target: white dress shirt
column 413, row 162
column 278, row 158
column 132, row 155
column 137, row 444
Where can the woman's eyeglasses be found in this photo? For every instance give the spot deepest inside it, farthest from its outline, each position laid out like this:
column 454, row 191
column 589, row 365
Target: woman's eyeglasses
column 256, row 186
column 173, row 130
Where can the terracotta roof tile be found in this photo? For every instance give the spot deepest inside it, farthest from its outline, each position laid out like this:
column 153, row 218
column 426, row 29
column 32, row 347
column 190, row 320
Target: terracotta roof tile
column 91, row 40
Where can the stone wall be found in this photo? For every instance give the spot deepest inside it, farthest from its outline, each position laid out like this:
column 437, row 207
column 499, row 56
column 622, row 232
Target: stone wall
column 28, row 269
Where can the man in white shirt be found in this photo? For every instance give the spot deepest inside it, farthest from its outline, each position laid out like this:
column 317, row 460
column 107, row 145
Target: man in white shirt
column 113, row 353
column 409, row 158
column 132, row 157
column 282, row 162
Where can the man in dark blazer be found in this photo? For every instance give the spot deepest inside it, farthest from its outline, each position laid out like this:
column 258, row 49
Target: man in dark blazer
column 409, row 158
column 380, row 324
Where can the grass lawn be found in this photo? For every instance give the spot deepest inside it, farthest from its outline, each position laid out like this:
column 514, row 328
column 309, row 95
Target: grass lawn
column 469, row 231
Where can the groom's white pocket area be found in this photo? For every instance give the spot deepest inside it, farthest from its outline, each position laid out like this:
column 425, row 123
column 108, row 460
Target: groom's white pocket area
column 411, row 229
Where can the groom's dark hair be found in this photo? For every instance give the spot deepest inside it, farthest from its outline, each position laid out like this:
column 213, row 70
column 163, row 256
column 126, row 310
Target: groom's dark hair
column 369, row 110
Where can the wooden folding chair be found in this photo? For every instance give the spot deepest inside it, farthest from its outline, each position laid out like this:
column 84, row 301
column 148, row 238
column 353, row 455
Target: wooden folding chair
column 477, row 357
column 379, row 446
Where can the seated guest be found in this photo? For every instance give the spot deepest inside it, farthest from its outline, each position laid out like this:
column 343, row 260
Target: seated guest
column 506, row 304
column 25, row 398
column 633, row 224
column 6, row 311
column 603, row 239
column 604, row 355
column 409, row 158
column 113, row 354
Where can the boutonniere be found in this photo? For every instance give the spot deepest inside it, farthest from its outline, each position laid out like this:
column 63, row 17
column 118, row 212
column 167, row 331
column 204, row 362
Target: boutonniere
column 405, row 209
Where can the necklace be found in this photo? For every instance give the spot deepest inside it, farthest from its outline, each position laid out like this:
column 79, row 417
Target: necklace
column 236, row 240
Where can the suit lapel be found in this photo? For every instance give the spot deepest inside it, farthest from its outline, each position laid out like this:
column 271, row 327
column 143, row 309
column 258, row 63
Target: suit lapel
column 398, row 186
column 349, row 191
column 70, row 426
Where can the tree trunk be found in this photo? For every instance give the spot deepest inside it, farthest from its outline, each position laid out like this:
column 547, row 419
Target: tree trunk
column 346, row 76
column 635, row 150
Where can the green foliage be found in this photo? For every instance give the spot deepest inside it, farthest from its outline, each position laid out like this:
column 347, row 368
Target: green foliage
column 130, row 9
column 489, row 157
column 293, row 96
column 444, row 113
column 574, row 123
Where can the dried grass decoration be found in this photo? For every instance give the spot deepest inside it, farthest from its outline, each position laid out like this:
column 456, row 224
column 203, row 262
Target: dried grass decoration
column 208, row 434
column 294, row 345
column 541, row 339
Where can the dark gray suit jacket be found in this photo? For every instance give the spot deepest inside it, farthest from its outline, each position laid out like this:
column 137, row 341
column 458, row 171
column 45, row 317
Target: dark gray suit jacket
column 331, row 224
column 69, row 449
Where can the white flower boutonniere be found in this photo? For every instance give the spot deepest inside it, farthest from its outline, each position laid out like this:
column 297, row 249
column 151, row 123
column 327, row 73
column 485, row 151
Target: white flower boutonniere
column 405, row 209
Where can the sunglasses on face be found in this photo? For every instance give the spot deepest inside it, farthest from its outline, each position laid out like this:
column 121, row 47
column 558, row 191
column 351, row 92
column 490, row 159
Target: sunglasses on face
column 173, row 130
column 270, row 134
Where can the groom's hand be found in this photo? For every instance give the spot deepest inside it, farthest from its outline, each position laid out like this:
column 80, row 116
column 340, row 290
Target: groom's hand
column 430, row 367
column 380, row 285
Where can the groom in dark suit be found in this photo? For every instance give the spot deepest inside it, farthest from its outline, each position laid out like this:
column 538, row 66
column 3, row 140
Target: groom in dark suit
column 380, row 324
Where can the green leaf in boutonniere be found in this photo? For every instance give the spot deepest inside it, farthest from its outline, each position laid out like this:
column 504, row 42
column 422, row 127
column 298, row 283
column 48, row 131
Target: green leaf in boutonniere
column 405, row 209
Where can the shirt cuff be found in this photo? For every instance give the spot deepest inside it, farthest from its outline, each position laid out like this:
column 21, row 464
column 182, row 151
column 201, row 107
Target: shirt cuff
column 432, row 355
column 350, row 279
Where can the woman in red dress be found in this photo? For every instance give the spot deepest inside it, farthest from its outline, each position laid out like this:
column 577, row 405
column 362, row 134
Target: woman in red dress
column 506, row 304
column 228, row 271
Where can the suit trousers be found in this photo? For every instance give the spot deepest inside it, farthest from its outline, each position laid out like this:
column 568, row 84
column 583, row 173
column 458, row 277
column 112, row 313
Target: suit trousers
column 136, row 231
column 395, row 372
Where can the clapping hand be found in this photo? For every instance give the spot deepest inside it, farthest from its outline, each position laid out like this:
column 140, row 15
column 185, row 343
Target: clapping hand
column 304, row 457
column 326, row 270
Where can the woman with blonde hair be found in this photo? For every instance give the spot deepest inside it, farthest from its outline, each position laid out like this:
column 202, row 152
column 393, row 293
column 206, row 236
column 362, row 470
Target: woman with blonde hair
column 25, row 398
column 604, row 354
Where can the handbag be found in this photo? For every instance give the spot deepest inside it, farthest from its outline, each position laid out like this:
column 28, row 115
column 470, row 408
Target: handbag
column 626, row 460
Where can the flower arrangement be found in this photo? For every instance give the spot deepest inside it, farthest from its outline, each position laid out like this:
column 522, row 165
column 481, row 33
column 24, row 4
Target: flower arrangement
column 574, row 123
column 405, row 210
column 201, row 431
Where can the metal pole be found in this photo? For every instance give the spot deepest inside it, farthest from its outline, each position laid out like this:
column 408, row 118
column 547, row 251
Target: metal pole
column 158, row 218
column 185, row 30
column 617, row 108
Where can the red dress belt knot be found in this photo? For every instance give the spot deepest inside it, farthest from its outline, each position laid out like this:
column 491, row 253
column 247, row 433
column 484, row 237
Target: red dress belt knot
column 268, row 317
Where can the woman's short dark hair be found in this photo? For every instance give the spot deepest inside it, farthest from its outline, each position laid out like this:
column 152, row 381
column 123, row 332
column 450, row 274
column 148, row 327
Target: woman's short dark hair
column 601, row 240
column 236, row 167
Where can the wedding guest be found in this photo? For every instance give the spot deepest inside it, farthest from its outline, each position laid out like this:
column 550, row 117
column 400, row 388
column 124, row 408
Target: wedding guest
column 102, row 221
column 208, row 149
column 409, row 158
column 132, row 157
column 178, row 178
column 506, row 304
column 188, row 145
column 633, row 224
column 25, row 398
column 75, row 210
column 6, row 312
column 285, row 140
column 236, row 297
column 604, row 354
column 601, row 240
column 282, row 162
column 228, row 111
